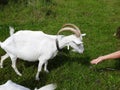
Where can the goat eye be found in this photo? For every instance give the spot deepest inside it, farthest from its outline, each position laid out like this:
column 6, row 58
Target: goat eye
column 74, row 42
column 79, row 44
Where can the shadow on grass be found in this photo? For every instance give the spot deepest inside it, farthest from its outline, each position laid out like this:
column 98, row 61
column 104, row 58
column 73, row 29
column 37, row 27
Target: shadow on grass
column 32, row 83
column 64, row 57
column 106, row 69
column 61, row 58
column 116, row 67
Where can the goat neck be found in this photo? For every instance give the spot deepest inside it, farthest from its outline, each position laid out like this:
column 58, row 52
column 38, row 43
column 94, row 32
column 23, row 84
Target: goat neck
column 63, row 41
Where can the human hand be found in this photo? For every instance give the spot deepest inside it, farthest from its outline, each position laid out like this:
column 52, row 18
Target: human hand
column 97, row 60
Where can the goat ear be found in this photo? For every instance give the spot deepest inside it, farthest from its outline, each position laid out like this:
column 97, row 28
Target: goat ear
column 81, row 42
column 68, row 47
column 83, row 34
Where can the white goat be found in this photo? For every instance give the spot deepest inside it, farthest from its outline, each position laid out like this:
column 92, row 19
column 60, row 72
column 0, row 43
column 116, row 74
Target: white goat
column 36, row 45
column 9, row 85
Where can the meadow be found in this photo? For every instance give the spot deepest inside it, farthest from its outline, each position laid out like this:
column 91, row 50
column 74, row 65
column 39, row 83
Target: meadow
column 99, row 19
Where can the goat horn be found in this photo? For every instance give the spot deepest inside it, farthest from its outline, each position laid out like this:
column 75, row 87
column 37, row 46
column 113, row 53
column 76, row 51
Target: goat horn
column 69, row 29
column 72, row 26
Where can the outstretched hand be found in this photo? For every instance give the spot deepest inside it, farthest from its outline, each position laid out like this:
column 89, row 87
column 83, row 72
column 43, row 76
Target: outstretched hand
column 97, row 60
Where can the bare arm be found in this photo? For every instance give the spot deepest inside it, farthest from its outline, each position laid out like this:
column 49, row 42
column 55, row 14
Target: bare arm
column 113, row 55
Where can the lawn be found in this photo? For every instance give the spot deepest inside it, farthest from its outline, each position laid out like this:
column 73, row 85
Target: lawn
column 99, row 19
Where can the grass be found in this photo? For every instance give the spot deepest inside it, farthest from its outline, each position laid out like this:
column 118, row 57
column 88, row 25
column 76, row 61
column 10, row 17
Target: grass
column 99, row 19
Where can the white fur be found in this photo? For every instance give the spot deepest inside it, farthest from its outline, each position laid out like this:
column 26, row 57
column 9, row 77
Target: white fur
column 36, row 45
column 48, row 87
column 9, row 85
column 11, row 30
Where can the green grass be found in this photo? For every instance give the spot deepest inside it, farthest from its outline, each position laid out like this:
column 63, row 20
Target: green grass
column 99, row 19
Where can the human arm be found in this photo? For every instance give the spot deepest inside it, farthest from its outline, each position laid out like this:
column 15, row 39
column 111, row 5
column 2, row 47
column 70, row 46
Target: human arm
column 113, row 55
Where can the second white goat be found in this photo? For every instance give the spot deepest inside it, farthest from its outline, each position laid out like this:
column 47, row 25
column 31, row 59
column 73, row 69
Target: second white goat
column 10, row 85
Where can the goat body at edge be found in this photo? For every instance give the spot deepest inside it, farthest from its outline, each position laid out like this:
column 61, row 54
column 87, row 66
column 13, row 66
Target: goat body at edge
column 10, row 85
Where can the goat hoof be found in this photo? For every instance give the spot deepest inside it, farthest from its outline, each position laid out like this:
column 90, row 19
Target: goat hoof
column 46, row 71
column 19, row 74
column 1, row 66
column 37, row 78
